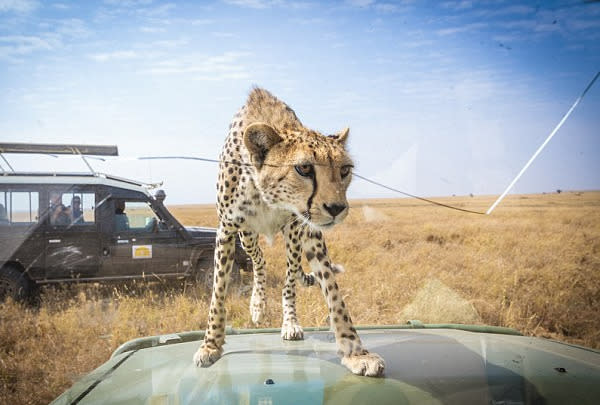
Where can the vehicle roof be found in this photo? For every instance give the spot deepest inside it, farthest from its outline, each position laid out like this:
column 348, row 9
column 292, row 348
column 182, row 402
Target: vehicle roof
column 51, row 178
column 430, row 366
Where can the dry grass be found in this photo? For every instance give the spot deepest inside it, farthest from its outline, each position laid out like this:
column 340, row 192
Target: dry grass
column 533, row 265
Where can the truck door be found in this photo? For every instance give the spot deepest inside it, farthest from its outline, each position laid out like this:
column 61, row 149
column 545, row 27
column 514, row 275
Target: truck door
column 71, row 235
column 21, row 238
column 138, row 245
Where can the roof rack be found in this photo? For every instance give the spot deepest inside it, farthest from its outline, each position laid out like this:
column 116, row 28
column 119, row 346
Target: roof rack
column 57, row 149
column 77, row 177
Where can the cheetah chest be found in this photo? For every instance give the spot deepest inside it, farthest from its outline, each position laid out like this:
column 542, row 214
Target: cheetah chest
column 264, row 220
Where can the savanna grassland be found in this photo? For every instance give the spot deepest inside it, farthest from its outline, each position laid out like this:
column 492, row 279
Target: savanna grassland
column 533, row 265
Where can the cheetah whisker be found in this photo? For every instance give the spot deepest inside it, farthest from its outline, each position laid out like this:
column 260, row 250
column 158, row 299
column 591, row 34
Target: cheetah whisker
column 293, row 221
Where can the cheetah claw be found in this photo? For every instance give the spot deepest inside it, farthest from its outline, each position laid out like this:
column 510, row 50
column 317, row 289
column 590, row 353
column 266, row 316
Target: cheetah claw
column 292, row 332
column 368, row 364
column 206, row 356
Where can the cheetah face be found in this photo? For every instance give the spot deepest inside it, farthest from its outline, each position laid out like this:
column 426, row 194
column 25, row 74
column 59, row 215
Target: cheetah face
column 301, row 171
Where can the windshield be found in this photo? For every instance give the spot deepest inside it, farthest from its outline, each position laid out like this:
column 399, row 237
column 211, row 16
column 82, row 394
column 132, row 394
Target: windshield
column 470, row 169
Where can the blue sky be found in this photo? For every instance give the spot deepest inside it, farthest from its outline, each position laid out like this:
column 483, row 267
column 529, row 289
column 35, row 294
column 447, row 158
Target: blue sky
column 442, row 98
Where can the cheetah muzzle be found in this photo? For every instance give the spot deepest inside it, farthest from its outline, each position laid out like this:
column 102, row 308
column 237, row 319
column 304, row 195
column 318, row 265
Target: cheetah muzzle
column 275, row 175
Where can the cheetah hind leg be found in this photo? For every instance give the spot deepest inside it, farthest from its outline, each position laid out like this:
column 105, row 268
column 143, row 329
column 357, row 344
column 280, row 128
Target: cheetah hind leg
column 258, row 301
column 291, row 330
column 308, row 279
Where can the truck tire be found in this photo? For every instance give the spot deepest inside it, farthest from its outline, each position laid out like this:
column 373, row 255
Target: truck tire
column 205, row 272
column 14, row 284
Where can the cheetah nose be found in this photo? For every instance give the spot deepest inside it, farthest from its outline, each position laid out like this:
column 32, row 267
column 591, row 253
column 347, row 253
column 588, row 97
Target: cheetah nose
column 334, row 209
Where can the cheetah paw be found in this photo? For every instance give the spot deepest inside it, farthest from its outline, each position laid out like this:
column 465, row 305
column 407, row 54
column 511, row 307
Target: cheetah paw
column 369, row 364
column 337, row 268
column 206, row 356
column 308, row 280
column 292, row 332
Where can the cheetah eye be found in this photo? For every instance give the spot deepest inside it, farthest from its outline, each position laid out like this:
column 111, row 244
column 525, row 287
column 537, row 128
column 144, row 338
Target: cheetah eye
column 306, row 170
column 345, row 170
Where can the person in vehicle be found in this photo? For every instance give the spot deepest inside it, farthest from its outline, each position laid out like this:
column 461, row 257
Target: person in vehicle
column 76, row 212
column 3, row 216
column 121, row 220
column 59, row 214
column 160, row 196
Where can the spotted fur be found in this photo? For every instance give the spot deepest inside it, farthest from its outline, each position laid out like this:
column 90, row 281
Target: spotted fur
column 276, row 175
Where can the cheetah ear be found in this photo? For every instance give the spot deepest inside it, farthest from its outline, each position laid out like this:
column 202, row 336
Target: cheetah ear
column 343, row 136
column 259, row 138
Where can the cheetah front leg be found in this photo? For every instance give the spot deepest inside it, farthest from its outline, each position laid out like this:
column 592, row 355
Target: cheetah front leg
column 354, row 356
column 214, row 337
column 291, row 329
column 258, row 301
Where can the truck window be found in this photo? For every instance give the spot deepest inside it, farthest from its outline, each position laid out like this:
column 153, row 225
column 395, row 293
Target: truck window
column 81, row 207
column 71, row 208
column 134, row 216
column 19, row 207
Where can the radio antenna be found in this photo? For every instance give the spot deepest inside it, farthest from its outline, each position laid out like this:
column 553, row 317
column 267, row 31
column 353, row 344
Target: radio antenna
column 537, row 152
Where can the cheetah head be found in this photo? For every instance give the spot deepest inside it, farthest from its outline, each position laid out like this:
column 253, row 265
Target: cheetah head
column 301, row 171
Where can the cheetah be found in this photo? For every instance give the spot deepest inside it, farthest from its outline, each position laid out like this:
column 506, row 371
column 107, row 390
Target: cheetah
column 277, row 175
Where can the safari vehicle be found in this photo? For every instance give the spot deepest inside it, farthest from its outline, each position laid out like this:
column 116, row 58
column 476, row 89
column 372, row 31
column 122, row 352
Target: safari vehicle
column 425, row 364
column 66, row 227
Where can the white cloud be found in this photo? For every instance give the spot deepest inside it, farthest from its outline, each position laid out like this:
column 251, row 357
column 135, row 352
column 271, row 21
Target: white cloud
column 218, row 77
column 543, row 23
column 387, row 7
column 220, row 34
column 226, row 66
column 170, row 43
column 18, row 6
column 158, row 11
column 510, row 10
column 55, row 34
column 520, row 24
column 360, row 3
column 142, row 8
column 581, row 24
column 61, row 6
column 309, row 21
column 458, row 5
column 202, row 21
column 128, row 3
column 148, row 52
column 461, row 29
column 14, row 47
column 417, row 43
column 73, row 27
column 116, row 55
column 257, row 4
column 23, row 44
column 152, row 30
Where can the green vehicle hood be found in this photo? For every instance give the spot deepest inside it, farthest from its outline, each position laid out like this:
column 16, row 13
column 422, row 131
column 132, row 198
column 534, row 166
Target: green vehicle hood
column 423, row 366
